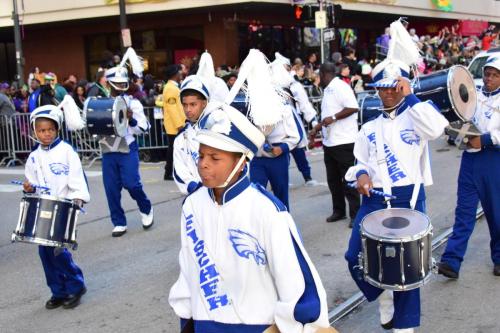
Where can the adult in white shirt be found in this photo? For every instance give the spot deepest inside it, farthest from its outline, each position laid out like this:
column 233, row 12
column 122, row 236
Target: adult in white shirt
column 339, row 128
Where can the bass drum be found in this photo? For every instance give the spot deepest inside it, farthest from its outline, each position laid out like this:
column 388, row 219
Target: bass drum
column 106, row 116
column 452, row 90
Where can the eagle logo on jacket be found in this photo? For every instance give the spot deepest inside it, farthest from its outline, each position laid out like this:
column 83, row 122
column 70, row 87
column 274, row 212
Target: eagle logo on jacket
column 247, row 245
column 59, row 169
column 410, row 137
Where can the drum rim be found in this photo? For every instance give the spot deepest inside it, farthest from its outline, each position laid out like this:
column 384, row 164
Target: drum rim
column 405, row 239
column 448, row 82
column 125, row 126
column 399, row 287
column 42, row 241
column 48, row 197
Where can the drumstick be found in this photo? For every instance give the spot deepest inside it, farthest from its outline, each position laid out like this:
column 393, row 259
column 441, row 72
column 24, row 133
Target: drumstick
column 372, row 191
column 17, row 182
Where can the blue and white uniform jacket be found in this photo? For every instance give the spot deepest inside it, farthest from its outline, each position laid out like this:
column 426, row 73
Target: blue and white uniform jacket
column 302, row 107
column 405, row 144
column 139, row 124
column 285, row 134
column 487, row 118
column 243, row 262
column 186, row 153
column 58, row 167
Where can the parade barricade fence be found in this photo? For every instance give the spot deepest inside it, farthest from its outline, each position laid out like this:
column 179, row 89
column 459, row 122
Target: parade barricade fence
column 16, row 141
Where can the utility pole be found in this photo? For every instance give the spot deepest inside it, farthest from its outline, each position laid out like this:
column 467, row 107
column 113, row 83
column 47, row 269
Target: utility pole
column 126, row 40
column 19, row 48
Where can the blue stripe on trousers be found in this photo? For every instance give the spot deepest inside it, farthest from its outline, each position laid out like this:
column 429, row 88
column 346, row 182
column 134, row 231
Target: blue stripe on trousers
column 478, row 181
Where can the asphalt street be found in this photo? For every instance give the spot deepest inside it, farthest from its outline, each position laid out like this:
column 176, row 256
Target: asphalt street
column 128, row 278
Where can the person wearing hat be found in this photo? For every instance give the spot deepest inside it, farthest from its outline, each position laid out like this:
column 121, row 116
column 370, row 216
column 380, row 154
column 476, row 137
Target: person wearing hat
column 59, row 91
column 100, row 88
column 120, row 156
column 479, row 177
column 54, row 164
column 243, row 267
column 194, row 95
column 392, row 156
column 173, row 114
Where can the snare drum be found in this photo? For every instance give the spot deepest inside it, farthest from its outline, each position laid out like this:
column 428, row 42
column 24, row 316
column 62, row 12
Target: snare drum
column 397, row 249
column 106, row 116
column 47, row 220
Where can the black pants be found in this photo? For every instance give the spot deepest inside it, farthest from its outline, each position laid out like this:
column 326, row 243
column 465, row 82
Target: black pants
column 169, row 166
column 337, row 160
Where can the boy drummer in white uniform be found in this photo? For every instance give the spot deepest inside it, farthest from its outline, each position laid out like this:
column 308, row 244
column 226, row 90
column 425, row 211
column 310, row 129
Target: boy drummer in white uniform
column 55, row 165
column 392, row 154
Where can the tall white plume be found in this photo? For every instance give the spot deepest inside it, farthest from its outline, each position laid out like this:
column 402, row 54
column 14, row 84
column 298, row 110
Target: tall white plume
column 136, row 62
column 401, row 46
column 206, row 66
column 72, row 115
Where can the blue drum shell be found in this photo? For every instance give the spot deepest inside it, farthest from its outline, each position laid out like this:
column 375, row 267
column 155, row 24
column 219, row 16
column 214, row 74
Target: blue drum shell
column 100, row 117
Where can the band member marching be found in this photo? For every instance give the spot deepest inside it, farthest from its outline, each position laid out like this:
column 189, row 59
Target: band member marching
column 120, row 158
column 55, row 165
column 479, row 177
column 243, row 265
column 392, row 154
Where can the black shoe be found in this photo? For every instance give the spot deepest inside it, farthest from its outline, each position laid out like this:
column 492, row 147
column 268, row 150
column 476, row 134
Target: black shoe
column 496, row 270
column 446, row 270
column 54, row 302
column 351, row 223
column 73, row 300
column 389, row 325
column 168, row 177
column 335, row 217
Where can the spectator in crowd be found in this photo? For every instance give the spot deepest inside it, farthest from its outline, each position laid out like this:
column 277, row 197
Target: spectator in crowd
column 7, row 108
column 230, row 79
column 59, row 91
column 344, row 73
column 21, row 99
column 414, row 36
column 383, row 42
column 312, row 60
column 79, row 95
column 100, row 87
column 351, row 61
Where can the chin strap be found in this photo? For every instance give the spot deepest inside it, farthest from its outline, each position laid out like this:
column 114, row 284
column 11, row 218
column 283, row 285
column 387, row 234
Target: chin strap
column 231, row 175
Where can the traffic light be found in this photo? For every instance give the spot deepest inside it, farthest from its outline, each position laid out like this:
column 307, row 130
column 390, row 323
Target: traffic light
column 298, row 12
column 334, row 14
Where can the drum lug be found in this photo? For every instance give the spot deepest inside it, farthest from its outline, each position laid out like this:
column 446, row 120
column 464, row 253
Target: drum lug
column 434, row 266
column 360, row 264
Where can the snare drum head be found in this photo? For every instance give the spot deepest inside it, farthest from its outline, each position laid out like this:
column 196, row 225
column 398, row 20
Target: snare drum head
column 120, row 119
column 462, row 91
column 395, row 223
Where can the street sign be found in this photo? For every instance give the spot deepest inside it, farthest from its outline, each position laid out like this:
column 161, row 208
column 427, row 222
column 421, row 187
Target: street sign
column 126, row 39
column 329, row 34
column 320, row 18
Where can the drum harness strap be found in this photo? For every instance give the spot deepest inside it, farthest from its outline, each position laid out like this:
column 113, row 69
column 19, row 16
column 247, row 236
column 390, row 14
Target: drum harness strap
column 383, row 168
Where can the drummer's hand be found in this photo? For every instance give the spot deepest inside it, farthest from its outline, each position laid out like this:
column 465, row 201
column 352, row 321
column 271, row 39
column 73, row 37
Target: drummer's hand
column 78, row 202
column 403, row 85
column 27, row 187
column 474, row 142
column 276, row 151
column 364, row 185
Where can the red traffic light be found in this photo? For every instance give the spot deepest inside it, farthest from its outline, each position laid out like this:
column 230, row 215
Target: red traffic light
column 298, row 12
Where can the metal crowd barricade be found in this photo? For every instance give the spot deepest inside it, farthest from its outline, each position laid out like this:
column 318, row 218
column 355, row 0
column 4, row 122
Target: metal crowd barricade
column 16, row 143
column 5, row 146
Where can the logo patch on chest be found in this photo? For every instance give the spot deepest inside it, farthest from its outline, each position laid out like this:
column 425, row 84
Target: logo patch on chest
column 247, row 246
column 59, row 169
column 410, row 137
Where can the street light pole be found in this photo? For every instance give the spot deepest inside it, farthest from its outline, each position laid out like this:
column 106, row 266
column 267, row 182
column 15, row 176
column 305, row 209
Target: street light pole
column 124, row 32
column 18, row 45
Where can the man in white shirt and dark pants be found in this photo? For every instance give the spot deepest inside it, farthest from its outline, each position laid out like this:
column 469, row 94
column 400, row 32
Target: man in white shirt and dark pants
column 339, row 129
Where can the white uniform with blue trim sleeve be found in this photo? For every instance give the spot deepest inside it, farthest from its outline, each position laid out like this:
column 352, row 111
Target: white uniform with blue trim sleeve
column 186, row 160
column 140, row 124
column 405, row 147
column 243, row 262
column 59, row 168
column 487, row 116
column 302, row 107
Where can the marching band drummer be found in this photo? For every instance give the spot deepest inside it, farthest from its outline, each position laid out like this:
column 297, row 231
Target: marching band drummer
column 54, row 164
column 479, row 177
column 243, row 267
column 392, row 154
column 120, row 158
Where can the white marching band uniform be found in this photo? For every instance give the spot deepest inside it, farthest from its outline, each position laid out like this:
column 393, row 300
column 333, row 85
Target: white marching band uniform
column 186, row 175
column 250, row 262
column 303, row 107
column 59, row 168
column 406, row 148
